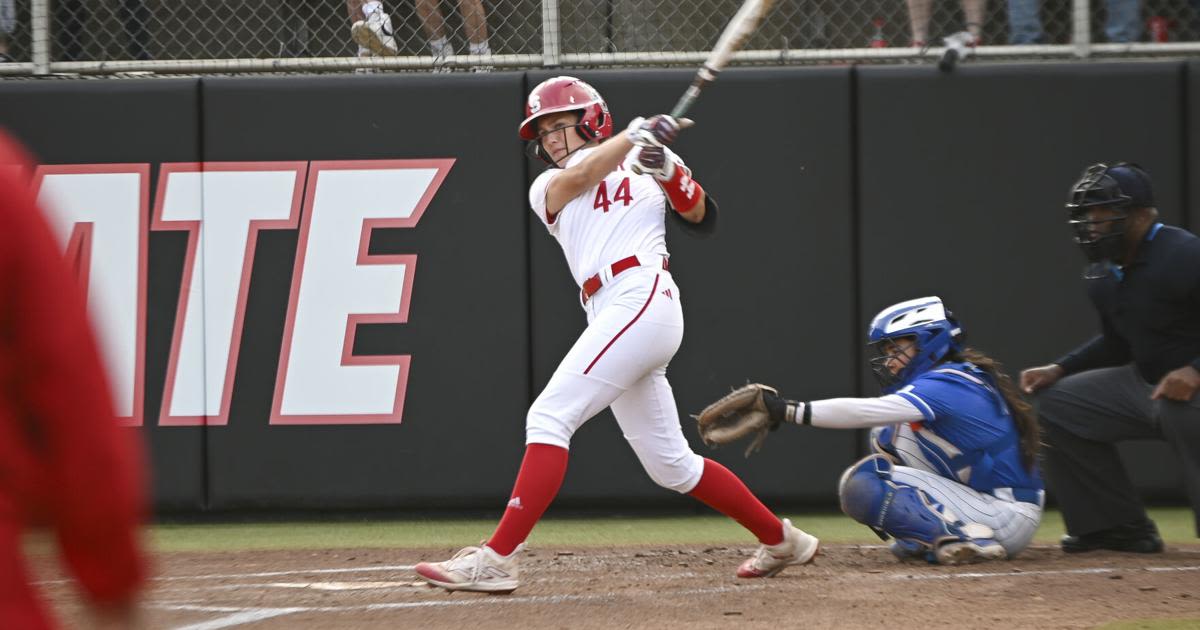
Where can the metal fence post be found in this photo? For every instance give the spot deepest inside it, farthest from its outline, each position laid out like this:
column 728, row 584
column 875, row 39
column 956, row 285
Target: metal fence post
column 1081, row 27
column 550, row 50
column 39, row 18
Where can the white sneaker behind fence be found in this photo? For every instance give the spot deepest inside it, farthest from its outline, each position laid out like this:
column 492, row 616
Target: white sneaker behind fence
column 375, row 34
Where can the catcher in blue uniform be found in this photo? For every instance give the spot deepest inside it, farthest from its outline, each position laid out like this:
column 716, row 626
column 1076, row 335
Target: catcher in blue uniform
column 953, row 477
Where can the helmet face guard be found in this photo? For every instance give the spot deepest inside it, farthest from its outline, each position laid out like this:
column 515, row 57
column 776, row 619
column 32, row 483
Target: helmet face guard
column 536, row 148
column 923, row 322
column 888, row 352
column 1102, row 240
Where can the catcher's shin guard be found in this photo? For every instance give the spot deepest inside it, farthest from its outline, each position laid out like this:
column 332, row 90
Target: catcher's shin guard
column 869, row 496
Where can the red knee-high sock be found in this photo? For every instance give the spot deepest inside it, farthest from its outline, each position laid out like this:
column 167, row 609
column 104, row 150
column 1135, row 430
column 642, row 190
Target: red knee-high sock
column 721, row 490
column 541, row 474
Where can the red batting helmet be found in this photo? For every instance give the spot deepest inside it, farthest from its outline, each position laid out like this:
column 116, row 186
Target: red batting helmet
column 565, row 94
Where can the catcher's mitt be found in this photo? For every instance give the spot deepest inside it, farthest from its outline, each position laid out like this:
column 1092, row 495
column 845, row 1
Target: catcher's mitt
column 738, row 414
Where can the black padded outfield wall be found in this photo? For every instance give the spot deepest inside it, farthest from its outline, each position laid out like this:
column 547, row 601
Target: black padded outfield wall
column 357, row 239
column 1191, row 166
column 329, row 292
column 460, row 436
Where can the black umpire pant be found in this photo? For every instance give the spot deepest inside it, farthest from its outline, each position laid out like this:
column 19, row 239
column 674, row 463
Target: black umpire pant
column 1083, row 416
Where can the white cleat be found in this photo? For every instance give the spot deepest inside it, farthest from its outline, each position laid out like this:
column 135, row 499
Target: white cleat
column 474, row 569
column 970, row 552
column 977, row 546
column 797, row 548
column 375, row 34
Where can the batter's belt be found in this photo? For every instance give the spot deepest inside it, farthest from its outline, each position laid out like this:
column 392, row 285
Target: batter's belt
column 606, row 274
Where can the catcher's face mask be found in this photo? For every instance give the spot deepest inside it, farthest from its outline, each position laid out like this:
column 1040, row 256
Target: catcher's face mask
column 891, row 357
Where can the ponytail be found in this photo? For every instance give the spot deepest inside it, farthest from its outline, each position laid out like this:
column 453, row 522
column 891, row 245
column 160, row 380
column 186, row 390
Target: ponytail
column 1021, row 411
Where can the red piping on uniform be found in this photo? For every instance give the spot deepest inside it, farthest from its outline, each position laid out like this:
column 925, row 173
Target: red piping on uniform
column 618, row 335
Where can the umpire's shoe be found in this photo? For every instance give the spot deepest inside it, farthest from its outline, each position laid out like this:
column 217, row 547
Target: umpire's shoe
column 1132, row 537
column 797, row 548
column 474, row 569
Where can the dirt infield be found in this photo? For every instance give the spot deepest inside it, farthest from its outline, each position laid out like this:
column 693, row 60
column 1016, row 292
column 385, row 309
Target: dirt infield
column 849, row 586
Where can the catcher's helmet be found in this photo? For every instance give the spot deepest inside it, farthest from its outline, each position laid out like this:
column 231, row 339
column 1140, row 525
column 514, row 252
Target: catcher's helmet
column 1120, row 187
column 936, row 334
column 566, row 94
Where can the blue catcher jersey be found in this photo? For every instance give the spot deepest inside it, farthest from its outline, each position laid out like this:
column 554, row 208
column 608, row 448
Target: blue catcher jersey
column 968, row 432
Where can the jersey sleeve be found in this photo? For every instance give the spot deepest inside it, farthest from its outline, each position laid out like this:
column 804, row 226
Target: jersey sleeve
column 537, row 197
column 934, row 395
column 861, row 413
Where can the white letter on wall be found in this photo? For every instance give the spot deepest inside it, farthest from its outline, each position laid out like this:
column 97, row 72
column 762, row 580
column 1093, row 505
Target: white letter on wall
column 98, row 212
column 222, row 206
column 337, row 285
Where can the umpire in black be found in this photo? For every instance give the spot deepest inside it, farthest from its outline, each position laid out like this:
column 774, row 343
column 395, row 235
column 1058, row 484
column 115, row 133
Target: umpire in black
column 1139, row 378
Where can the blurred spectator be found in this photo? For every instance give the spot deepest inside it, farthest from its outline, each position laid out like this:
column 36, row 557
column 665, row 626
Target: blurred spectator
column 1138, row 379
column 71, row 21
column 920, row 11
column 1123, row 22
column 434, row 24
column 64, row 462
column 371, row 28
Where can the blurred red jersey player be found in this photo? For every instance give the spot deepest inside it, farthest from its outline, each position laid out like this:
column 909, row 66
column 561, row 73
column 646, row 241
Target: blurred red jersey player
column 64, row 462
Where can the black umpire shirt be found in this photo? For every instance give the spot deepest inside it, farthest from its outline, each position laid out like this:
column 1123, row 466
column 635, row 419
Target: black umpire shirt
column 1149, row 309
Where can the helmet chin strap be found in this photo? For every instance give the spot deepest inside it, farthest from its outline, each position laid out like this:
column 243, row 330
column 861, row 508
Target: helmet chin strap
column 542, row 153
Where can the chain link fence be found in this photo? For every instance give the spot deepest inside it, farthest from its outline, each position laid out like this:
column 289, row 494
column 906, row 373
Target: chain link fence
column 39, row 36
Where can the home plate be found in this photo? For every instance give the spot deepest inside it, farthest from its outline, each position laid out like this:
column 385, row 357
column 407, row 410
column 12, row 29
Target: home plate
column 341, row 586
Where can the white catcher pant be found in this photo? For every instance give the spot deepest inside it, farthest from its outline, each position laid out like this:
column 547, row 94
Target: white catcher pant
column 1013, row 522
column 635, row 326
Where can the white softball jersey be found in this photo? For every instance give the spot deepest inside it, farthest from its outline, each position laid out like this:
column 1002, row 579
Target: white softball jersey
column 621, row 216
column 635, row 324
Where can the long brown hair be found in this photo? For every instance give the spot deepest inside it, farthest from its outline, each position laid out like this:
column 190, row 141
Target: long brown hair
column 1022, row 411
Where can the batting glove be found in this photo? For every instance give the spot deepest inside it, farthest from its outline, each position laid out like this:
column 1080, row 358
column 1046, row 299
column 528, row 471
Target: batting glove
column 654, row 161
column 655, row 131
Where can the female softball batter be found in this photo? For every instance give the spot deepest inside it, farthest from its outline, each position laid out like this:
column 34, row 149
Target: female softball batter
column 605, row 199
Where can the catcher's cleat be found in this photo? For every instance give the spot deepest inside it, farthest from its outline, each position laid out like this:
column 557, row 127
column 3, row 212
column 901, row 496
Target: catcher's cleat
column 797, row 548
column 375, row 34
column 474, row 569
column 970, row 551
column 975, row 544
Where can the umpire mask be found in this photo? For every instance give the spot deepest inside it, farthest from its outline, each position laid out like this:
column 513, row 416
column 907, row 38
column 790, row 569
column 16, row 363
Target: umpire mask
column 1098, row 208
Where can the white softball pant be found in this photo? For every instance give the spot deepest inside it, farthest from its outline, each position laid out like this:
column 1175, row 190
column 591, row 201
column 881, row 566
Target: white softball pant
column 1014, row 522
column 635, row 326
